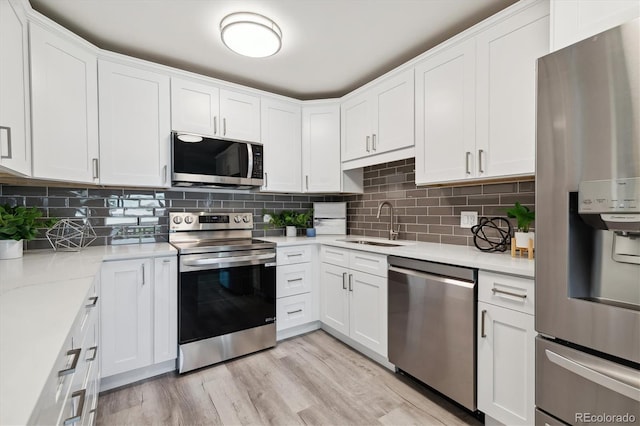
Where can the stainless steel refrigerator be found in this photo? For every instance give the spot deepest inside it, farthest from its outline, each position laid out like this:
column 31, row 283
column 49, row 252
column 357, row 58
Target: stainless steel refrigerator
column 588, row 231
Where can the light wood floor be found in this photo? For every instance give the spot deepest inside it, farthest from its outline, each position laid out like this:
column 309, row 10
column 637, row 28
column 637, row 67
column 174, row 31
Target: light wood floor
column 311, row 379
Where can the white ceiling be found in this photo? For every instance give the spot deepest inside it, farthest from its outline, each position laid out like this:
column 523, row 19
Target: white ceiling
column 330, row 47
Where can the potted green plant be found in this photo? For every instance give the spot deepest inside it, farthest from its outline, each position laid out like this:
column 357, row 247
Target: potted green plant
column 524, row 217
column 290, row 220
column 16, row 225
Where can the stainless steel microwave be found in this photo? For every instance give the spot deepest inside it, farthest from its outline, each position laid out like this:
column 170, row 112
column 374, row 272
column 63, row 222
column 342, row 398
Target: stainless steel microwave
column 202, row 161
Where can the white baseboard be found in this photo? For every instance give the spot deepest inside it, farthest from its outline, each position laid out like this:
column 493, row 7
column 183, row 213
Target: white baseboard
column 298, row 330
column 122, row 379
column 382, row 360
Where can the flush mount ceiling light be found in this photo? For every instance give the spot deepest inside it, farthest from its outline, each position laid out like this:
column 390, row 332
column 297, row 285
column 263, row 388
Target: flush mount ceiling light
column 250, row 34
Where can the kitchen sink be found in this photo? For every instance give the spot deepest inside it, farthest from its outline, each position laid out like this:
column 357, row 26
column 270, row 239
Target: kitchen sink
column 371, row 243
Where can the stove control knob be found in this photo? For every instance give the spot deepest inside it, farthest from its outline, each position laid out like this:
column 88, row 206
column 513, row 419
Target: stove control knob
column 177, row 220
column 237, row 219
column 188, row 220
column 245, row 219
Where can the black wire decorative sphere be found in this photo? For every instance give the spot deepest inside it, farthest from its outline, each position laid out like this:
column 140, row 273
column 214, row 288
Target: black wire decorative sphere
column 490, row 234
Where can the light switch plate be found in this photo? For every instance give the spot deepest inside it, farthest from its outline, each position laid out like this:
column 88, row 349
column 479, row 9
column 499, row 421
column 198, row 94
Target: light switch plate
column 468, row 219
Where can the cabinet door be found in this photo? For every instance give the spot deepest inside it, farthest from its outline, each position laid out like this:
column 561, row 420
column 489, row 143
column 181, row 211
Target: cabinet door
column 126, row 316
column 506, row 364
column 334, row 300
column 165, row 309
column 368, row 310
column 321, row 168
column 506, row 92
column 134, row 126
column 293, row 279
column 195, row 108
column 394, row 114
column 281, row 136
column 356, row 127
column 64, row 108
column 575, row 20
column 15, row 143
column 294, row 310
column 445, row 114
column 240, row 116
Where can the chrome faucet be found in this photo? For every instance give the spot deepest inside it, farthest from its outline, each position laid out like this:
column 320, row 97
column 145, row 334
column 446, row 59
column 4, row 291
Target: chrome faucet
column 392, row 234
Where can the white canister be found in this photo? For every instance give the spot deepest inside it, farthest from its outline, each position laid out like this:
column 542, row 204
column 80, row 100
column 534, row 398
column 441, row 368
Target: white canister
column 11, row 249
column 291, row 231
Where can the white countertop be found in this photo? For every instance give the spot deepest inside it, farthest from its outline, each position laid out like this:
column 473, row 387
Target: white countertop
column 443, row 253
column 40, row 297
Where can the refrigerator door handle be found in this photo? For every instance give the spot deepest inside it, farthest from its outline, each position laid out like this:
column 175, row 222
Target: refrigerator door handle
column 600, row 377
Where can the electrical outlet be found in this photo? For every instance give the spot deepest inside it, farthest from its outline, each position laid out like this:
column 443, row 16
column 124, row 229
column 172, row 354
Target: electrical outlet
column 468, row 219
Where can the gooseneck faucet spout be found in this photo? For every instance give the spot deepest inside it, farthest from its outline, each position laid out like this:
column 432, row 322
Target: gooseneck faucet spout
column 392, row 233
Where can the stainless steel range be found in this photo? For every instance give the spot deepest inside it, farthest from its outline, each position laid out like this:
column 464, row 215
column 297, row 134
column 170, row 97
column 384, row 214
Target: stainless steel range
column 226, row 288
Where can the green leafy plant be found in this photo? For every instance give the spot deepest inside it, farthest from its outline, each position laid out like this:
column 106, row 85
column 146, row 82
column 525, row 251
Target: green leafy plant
column 522, row 215
column 290, row 218
column 21, row 223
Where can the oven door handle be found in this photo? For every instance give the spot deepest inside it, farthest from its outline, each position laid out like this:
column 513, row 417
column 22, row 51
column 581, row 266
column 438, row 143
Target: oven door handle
column 263, row 258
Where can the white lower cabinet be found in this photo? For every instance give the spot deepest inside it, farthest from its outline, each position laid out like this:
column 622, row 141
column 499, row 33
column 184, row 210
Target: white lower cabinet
column 506, row 357
column 139, row 313
column 296, row 294
column 354, row 302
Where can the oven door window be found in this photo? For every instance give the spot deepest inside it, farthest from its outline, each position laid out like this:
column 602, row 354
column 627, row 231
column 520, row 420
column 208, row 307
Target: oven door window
column 220, row 301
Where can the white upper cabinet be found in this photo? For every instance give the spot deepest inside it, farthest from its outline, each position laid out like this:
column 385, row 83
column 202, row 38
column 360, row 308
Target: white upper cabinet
column 379, row 120
column 475, row 100
column 575, row 20
column 208, row 110
column 195, row 107
column 506, row 92
column 15, row 143
column 240, row 116
column 134, row 126
column 281, row 135
column 321, row 148
column 64, row 107
column 445, row 114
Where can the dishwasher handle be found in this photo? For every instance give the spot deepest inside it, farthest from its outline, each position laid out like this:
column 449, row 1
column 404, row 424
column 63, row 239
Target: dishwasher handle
column 432, row 277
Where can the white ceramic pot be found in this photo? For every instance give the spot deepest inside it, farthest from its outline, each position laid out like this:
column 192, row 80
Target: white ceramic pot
column 522, row 239
column 10, row 249
column 291, row 231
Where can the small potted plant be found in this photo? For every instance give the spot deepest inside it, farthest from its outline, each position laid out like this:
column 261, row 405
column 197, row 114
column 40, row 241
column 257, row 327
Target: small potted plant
column 524, row 217
column 290, row 220
column 16, row 225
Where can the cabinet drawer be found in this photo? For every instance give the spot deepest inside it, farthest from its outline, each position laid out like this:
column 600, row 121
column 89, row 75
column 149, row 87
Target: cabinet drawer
column 370, row 263
column 293, row 255
column 507, row 291
column 293, row 310
column 293, row 279
column 335, row 256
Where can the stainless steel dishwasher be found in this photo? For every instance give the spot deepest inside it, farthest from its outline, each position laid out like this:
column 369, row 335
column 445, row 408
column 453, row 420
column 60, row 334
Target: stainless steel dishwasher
column 432, row 325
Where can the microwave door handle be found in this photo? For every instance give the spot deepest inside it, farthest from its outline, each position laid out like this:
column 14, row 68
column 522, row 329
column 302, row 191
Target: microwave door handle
column 250, row 165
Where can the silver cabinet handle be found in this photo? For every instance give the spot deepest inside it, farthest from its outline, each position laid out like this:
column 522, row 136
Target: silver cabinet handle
column 294, row 312
column 350, row 282
column 215, row 125
column 144, row 281
column 480, row 155
column 164, row 173
column 294, row 254
column 344, row 280
column 294, row 280
column 96, row 168
column 306, row 178
column 266, row 181
column 9, row 155
column 82, row 394
column 166, row 261
column 598, row 375
column 74, row 363
column 368, row 149
column 93, row 303
column 508, row 293
column 373, row 141
column 224, row 127
column 95, row 353
column 467, row 166
column 482, row 333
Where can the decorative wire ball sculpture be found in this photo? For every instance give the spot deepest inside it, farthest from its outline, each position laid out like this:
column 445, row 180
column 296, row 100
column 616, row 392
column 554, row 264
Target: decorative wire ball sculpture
column 71, row 235
column 490, row 234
